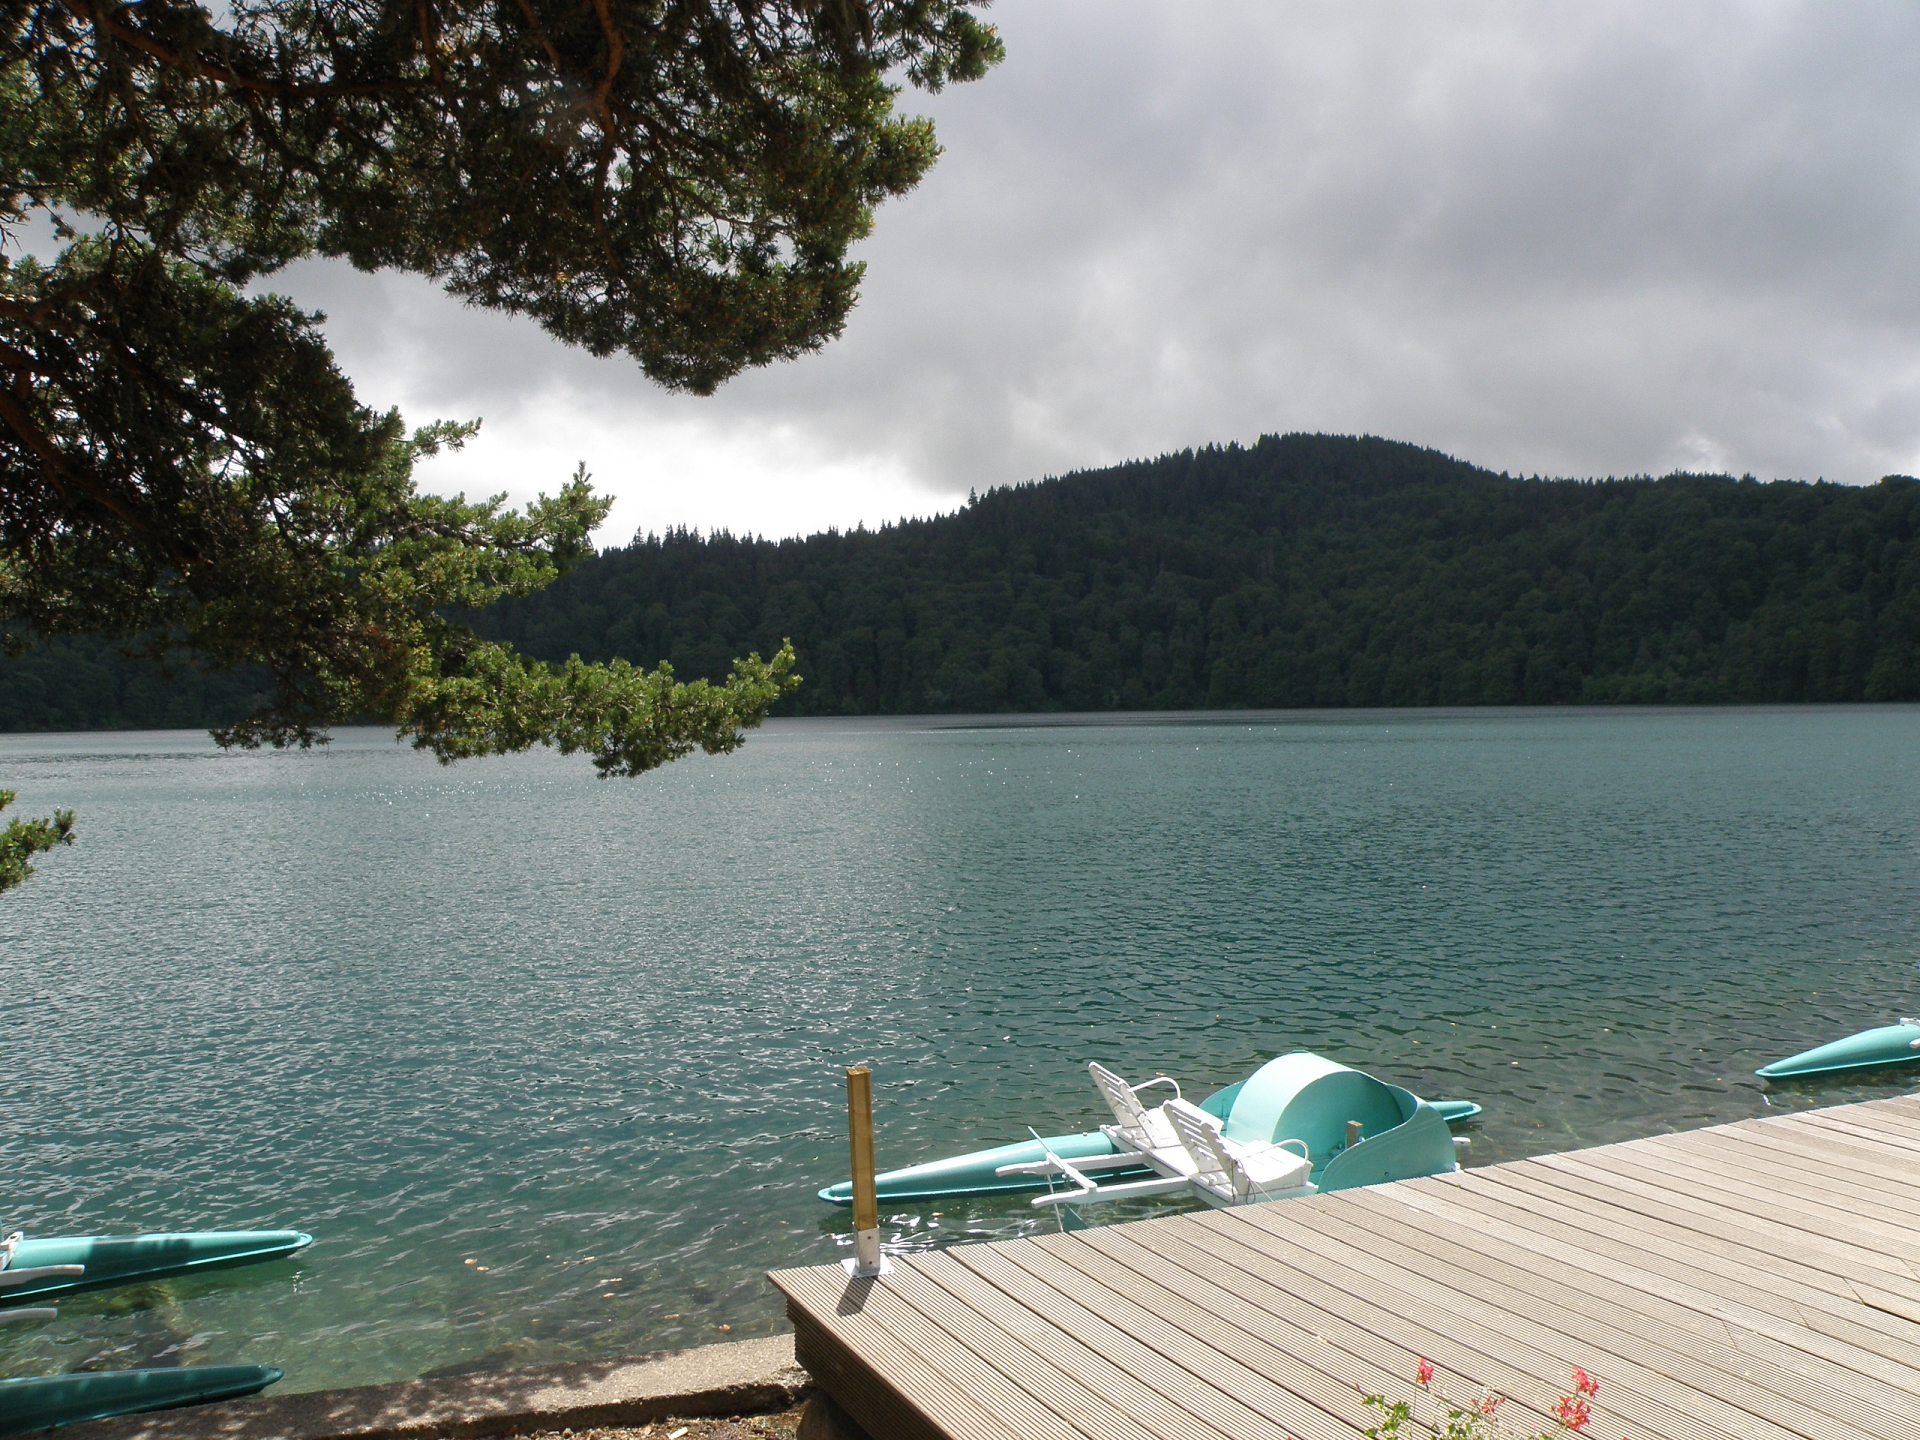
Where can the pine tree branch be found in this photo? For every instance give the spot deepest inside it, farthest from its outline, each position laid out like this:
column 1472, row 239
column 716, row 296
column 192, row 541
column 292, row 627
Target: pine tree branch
column 98, row 17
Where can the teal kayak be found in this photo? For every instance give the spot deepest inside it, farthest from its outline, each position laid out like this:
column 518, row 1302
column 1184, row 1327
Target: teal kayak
column 1411, row 1134
column 1869, row 1050
column 39, row 1268
column 49, row 1400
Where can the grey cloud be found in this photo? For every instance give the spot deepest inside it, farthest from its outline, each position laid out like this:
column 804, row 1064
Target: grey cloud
column 1577, row 239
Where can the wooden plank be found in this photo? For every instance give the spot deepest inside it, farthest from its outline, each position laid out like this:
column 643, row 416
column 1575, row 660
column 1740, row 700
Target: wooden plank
column 1767, row 1359
column 1817, row 1370
column 1899, row 1107
column 1894, row 1146
column 1275, row 1351
column 882, row 1363
column 1261, row 1337
column 1056, row 1385
column 1752, row 1277
column 1745, row 1191
column 1101, row 1357
column 1897, row 1125
column 1618, row 1356
column 1869, row 1147
column 984, row 1387
column 1787, row 1227
column 1197, row 1362
column 1752, row 1281
column 1823, row 1261
column 1323, row 1346
column 1890, row 1294
column 1616, row 1214
column 1870, row 1116
column 1894, row 1174
column 1475, row 1261
column 1891, row 1304
column 843, row 1371
column 1875, row 1146
column 1340, row 1304
column 1685, row 1349
column 1638, row 1257
column 1809, row 1290
column 1813, row 1152
column 1823, row 1215
column 1240, row 1401
column 1815, row 1166
column 1835, row 1254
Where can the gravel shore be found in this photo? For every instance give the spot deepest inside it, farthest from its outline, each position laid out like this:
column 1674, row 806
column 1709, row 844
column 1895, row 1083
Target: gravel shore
column 781, row 1426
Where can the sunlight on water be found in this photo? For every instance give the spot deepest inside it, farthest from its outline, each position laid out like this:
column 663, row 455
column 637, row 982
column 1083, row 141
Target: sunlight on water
column 588, row 1035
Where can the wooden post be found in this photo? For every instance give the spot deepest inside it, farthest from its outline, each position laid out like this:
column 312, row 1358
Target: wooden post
column 867, row 1259
column 1353, row 1133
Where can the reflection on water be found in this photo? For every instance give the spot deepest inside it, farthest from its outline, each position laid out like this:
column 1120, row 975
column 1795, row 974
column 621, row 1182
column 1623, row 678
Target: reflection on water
column 588, row 1035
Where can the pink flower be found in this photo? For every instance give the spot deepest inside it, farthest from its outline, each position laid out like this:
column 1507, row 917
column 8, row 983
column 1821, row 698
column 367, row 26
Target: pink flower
column 1490, row 1403
column 1573, row 1412
column 1583, row 1383
column 1426, row 1372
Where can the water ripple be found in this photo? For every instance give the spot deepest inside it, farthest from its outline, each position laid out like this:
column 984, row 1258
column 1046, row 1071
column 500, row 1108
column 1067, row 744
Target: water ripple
column 588, row 1036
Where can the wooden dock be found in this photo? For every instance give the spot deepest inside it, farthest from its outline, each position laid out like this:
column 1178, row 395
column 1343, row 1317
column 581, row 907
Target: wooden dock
column 1760, row 1279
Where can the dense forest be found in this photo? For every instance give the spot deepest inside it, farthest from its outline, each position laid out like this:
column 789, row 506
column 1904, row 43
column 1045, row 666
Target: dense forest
column 1303, row 570
column 84, row 683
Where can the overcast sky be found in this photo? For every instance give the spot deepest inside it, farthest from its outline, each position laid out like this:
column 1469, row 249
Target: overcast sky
column 1566, row 238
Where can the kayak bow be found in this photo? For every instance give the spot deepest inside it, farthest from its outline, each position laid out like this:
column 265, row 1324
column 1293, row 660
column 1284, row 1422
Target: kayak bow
column 64, row 1264
column 1869, row 1050
column 42, row 1402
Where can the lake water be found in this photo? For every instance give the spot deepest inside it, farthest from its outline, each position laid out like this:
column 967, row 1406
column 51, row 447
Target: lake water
column 589, row 1035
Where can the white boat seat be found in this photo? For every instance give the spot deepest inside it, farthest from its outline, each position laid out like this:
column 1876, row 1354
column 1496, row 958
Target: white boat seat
column 1135, row 1126
column 1230, row 1172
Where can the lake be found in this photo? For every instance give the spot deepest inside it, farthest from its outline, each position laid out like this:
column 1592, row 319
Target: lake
column 590, row 1035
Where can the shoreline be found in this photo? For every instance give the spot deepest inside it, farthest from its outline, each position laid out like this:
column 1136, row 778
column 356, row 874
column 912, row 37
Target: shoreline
column 739, row 1377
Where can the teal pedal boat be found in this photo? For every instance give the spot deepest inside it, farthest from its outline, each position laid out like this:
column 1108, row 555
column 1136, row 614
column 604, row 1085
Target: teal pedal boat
column 35, row 1269
column 1869, row 1050
column 42, row 1402
column 1299, row 1124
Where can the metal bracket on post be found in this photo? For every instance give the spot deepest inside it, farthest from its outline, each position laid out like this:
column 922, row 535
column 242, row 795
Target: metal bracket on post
column 867, row 1260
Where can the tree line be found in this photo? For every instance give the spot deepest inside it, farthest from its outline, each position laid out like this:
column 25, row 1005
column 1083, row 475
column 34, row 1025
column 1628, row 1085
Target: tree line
column 1302, row 570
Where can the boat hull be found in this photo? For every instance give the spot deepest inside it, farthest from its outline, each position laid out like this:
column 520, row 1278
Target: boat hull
column 45, row 1401
column 121, row 1259
column 1410, row 1138
column 972, row 1174
column 1869, row 1050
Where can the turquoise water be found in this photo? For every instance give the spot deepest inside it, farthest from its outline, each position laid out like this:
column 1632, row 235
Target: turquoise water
column 589, row 1035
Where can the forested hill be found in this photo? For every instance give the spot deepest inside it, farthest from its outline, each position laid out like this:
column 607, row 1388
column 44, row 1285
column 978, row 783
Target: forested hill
column 1305, row 570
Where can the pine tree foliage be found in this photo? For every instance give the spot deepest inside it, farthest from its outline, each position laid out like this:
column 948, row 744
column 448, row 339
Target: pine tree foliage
column 182, row 465
column 24, row 839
